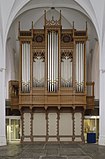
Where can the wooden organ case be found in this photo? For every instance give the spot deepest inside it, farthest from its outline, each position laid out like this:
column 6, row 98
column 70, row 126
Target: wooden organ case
column 52, row 93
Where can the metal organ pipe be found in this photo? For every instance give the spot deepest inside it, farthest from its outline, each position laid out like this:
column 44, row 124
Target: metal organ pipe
column 38, row 71
column 56, row 60
column 71, row 73
column 82, row 67
column 48, row 62
column 29, row 65
column 26, row 67
column 52, row 54
column 54, row 40
column 56, row 66
column 52, row 61
column 66, row 70
column 79, row 73
column 22, row 66
column 81, row 80
column 79, row 66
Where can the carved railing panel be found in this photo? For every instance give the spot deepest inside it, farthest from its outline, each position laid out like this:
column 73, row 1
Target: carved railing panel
column 14, row 92
column 90, row 95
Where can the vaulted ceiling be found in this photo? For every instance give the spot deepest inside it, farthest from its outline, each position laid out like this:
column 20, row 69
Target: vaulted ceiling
column 34, row 11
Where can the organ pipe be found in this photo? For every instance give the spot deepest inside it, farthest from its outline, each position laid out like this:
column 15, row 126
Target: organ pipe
column 26, row 67
column 38, row 72
column 80, row 67
column 52, row 61
column 66, row 72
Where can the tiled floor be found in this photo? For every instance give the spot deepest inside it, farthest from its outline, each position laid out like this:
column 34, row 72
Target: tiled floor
column 52, row 151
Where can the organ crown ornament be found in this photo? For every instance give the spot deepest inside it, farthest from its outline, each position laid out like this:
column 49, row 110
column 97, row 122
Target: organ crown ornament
column 52, row 22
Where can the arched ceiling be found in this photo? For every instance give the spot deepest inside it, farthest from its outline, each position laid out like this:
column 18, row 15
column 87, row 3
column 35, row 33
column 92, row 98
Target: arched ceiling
column 68, row 16
column 51, row 3
column 17, row 7
column 34, row 11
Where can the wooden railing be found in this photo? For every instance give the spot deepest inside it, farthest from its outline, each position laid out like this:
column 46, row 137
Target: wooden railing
column 38, row 97
column 90, row 95
column 14, row 93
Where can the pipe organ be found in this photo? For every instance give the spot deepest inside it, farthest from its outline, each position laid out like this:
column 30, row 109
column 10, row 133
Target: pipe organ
column 52, row 87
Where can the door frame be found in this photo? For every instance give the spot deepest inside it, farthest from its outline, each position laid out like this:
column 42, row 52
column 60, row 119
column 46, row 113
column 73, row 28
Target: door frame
column 11, row 118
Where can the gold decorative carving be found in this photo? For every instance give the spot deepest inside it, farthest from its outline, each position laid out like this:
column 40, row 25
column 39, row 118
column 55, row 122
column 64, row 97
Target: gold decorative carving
column 66, row 99
column 38, row 99
column 66, row 54
column 38, row 54
column 66, row 38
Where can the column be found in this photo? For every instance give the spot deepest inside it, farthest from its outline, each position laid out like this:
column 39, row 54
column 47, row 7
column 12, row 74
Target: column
column 102, row 109
column 2, row 97
column 2, row 108
column 102, row 97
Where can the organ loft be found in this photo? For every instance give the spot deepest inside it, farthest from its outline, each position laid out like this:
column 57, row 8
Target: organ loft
column 52, row 93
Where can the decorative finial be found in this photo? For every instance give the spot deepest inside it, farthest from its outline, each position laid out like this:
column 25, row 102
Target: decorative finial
column 73, row 28
column 60, row 17
column 52, row 7
column 45, row 17
column 73, row 24
column 32, row 25
column 19, row 25
column 19, row 28
column 86, row 28
column 86, row 25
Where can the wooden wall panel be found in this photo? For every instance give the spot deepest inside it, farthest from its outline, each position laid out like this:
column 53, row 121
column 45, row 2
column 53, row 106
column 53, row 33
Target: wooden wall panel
column 39, row 124
column 52, row 99
column 78, row 127
column 52, row 126
column 38, row 99
column 66, row 99
column 25, row 99
column 39, row 139
column 65, row 127
column 66, row 139
column 58, row 126
column 78, row 123
column 80, row 100
column 27, row 121
column 27, row 139
column 52, row 123
column 65, row 124
column 78, row 139
column 27, row 126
